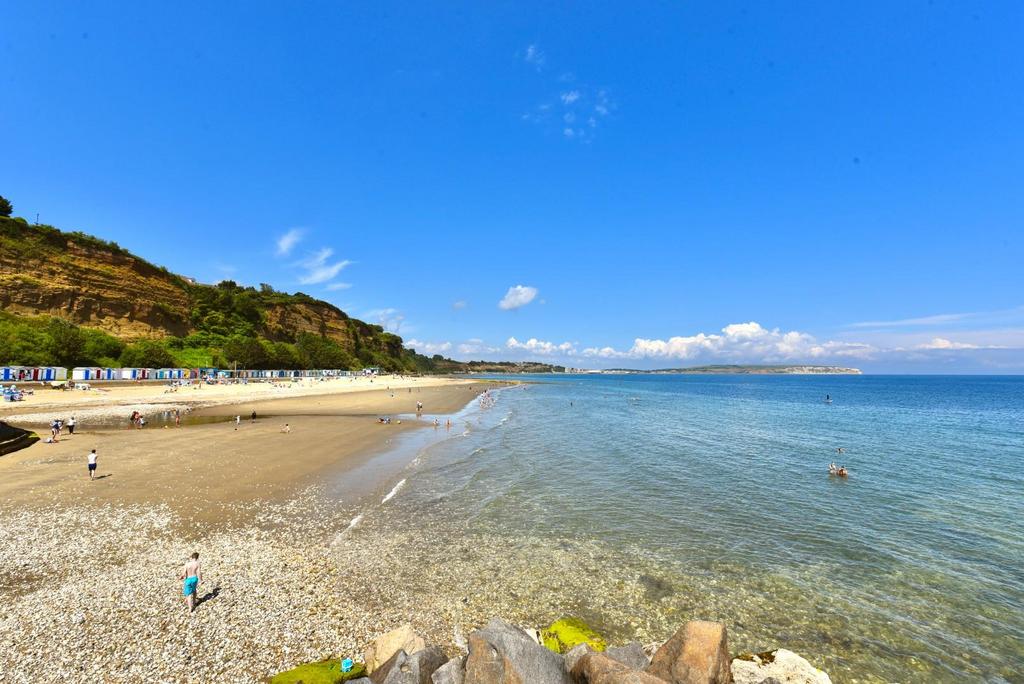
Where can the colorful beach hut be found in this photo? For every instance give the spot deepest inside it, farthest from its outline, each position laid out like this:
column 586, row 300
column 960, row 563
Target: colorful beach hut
column 135, row 373
column 11, row 373
column 89, row 373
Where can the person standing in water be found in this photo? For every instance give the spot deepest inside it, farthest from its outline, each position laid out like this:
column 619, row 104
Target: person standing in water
column 192, row 574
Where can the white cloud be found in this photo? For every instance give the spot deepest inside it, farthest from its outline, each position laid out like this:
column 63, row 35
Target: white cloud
column 605, row 353
column 287, row 242
column 569, row 97
column 535, row 346
column 943, row 343
column 428, row 348
column 460, row 304
column 319, row 269
column 517, row 296
column 747, row 342
column 750, row 342
column 534, row 56
column 333, row 287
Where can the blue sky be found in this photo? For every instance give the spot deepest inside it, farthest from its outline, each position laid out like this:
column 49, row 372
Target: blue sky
column 642, row 185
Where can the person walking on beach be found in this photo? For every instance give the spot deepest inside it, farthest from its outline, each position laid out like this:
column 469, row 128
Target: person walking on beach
column 71, row 426
column 92, row 464
column 192, row 575
column 177, row 417
column 252, row 418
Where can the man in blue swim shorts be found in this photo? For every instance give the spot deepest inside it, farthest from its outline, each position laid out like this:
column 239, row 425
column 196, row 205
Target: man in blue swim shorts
column 192, row 574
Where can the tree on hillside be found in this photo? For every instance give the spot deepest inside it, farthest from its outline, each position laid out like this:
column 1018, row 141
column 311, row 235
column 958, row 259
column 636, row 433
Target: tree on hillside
column 247, row 352
column 5, row 206
column 146, row 354
column 67, row 343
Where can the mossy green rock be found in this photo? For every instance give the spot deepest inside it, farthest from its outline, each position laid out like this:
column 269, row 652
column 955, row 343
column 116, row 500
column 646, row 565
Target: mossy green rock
column 563, row 634
column 324, row 672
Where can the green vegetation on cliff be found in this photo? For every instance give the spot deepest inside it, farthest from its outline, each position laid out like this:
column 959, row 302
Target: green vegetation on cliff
column 68, row 298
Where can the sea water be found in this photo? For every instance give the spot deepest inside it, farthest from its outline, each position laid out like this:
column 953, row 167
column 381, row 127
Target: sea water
column 713, row 492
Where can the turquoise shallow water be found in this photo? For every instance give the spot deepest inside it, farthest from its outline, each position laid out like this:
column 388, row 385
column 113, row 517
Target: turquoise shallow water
column 716, row 488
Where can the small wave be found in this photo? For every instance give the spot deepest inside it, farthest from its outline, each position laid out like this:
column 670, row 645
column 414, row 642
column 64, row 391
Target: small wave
column 392, row 492
column 355, row 521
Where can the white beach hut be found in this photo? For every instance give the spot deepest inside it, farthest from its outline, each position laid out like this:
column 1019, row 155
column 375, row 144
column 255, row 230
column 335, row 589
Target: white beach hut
column 86, row 373
column 135, row 373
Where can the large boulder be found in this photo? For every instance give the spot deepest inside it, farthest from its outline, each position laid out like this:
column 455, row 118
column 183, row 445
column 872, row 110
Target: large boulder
column 387, row 645
column 784, row 666
column 574, row 654
column 452, row 672
column 632, row 654
column 696, row 654
column 402, row 668
column 597, row 668
column 503, row 654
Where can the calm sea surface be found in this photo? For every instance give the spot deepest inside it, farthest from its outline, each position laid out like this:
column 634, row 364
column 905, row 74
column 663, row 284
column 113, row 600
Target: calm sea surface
column 714, row 492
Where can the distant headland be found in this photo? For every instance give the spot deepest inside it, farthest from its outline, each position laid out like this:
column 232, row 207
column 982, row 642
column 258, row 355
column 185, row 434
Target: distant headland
column 731, row 369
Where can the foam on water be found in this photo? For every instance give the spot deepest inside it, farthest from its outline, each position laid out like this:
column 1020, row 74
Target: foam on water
column 394, row 490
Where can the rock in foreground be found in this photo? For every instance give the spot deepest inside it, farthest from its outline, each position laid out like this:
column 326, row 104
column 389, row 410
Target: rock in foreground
column 503, row 654
column 785, row 666
column 696, row 654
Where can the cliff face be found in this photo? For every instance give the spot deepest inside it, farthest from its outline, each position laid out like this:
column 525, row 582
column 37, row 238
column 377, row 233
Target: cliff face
column 97, row 288
column 96, row 284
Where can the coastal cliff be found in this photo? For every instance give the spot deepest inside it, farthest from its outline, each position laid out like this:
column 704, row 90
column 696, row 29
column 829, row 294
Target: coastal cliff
column 46, row 273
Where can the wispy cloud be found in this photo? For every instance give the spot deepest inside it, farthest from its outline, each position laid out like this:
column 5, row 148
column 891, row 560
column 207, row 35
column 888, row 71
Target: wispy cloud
column 476, row 346
column 576, row 111
column 287, row 242
column 1014, row 313
column 334, row 287
column 461, row 304
column 428, row 348
column 534, row 56
column 390, row 319
column 517, row 296
column 319, row 267
column 569, row 97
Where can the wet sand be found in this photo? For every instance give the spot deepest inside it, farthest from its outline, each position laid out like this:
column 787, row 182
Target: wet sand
column 213, row 472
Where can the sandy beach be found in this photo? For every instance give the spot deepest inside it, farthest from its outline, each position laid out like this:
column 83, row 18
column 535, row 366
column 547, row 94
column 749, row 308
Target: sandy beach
column 204, row 471
column 88, row 568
